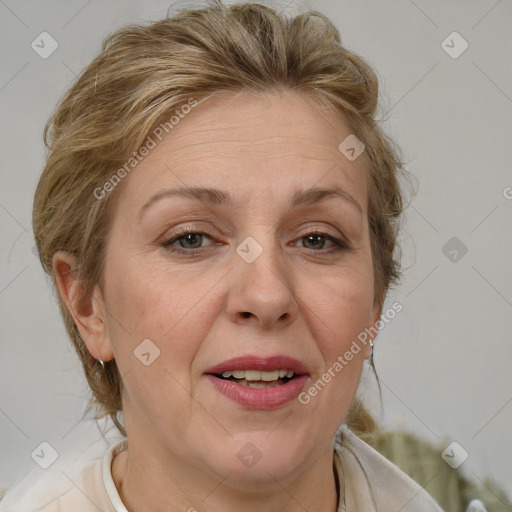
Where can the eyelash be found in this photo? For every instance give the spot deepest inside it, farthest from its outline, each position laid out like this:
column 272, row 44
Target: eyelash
column 339, row 245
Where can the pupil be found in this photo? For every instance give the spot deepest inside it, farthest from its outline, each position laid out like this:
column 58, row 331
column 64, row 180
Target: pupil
column 190, row 238
column 310, row 237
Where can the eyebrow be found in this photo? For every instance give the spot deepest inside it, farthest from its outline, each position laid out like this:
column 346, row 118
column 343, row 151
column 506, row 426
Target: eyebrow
column 300, row 197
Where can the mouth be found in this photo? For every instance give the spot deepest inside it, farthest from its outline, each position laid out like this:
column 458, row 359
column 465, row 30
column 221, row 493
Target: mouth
column 257, row 382
column 257, row 379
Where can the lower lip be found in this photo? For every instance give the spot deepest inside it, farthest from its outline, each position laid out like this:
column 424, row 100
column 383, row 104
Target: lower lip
column 263, row 398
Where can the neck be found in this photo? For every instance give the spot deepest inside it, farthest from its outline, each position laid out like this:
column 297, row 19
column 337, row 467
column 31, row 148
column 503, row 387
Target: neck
column 145, row 482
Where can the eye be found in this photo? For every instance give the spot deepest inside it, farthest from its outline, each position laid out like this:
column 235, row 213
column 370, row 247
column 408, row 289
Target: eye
column 315, row 240
column 188, row 241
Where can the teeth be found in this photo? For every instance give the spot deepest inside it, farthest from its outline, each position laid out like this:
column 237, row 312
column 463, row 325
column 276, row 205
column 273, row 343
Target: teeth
column 258, row 385
column 255, row 375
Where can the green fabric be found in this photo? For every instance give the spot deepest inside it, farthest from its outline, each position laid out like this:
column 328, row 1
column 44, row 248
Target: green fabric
column 422, row 461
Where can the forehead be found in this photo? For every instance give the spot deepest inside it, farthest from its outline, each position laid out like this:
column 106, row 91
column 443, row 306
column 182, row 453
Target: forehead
column 252, row 144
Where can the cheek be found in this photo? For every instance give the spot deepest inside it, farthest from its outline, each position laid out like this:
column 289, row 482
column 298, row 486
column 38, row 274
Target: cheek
column 340, row 310
column 145, row 307
column 172, row 313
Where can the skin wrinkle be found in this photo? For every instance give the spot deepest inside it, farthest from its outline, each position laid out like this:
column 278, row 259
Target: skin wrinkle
column 188, row 158
column 183, row 435
column 301, row 303
column 249, row 143
column 221, row 154
column 195, row 196
column 349, row 228
column 177, row 165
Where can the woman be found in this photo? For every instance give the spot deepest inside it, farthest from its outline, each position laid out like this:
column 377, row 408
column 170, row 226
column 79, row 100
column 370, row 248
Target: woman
column 219, row 212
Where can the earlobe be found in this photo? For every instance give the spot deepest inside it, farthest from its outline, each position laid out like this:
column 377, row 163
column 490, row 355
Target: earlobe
column 88, row 311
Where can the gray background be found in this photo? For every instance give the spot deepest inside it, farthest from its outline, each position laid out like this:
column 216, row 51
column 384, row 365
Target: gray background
column 444, row 361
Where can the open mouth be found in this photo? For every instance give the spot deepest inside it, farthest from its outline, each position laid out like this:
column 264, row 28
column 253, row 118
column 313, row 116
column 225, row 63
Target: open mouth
column 258, row 379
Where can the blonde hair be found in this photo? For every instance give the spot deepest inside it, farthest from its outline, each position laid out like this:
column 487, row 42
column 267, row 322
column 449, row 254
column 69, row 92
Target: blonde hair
column 142, row 75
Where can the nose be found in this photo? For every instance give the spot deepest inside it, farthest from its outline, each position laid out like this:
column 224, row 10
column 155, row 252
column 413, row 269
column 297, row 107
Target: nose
column 262, row 291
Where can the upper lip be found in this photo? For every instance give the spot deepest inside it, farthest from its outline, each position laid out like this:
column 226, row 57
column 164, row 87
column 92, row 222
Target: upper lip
column 262, row 363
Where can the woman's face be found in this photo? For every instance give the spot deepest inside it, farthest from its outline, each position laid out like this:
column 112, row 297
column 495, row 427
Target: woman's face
column 194, row 280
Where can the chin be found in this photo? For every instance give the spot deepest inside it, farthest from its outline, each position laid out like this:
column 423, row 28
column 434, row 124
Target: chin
column 257, row 460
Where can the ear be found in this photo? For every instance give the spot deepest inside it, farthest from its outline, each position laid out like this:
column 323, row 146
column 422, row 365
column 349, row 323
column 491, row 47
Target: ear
column 88, row 312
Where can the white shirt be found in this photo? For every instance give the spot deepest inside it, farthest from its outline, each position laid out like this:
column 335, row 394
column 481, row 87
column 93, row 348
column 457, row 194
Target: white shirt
column 368, row 483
